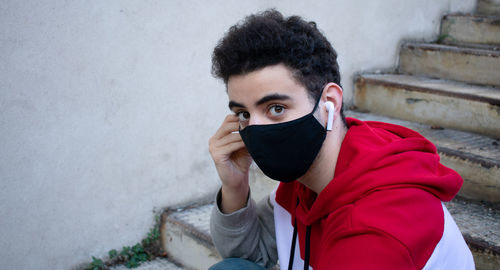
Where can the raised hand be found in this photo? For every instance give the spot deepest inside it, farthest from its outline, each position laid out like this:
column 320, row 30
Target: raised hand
column 232, row 162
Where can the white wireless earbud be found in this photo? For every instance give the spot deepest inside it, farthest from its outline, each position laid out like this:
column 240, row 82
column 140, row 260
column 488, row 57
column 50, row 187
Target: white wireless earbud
column 331, row 111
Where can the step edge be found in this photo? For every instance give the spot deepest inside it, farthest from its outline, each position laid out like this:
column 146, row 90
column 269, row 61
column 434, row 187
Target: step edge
column 485, row 162
column 474, row 16
column 189, row 229
column 481, row 245
column 488, row 51
column 431, row 90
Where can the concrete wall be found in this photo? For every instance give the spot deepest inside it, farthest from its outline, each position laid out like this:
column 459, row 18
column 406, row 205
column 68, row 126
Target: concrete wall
column 106, row 108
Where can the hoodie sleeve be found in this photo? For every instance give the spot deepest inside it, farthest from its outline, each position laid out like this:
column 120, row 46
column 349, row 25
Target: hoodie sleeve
column 247, row 233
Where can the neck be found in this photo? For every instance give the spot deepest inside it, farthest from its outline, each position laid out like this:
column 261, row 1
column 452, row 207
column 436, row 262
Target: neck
column 323, row 168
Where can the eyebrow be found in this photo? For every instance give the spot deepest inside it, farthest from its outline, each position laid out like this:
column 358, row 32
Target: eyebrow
column 261, row 101
column 233, row 104
column 271, row 97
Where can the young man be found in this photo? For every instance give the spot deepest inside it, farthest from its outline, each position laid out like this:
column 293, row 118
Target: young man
column 353, row 194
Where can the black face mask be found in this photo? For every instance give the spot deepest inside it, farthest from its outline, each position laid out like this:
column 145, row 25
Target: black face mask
column 285, row 151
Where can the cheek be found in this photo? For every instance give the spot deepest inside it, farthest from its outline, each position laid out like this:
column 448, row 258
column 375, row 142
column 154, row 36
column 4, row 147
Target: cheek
column 294, row 114
column 301, row 110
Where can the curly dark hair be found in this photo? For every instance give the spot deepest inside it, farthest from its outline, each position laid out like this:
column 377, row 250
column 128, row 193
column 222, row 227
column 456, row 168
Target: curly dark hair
column 268, row 38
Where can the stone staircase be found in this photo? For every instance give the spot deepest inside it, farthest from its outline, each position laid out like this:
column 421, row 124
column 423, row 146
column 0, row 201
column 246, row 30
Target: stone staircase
column 449, row 91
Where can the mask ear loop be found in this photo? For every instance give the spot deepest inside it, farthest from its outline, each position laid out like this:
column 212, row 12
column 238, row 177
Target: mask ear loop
column 317, row 101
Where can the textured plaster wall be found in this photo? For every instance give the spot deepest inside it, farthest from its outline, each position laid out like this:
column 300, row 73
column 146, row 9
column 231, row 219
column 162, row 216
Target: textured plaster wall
column 106, row 108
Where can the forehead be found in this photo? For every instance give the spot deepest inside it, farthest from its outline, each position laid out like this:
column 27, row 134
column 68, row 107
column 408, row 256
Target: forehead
column 254, row 85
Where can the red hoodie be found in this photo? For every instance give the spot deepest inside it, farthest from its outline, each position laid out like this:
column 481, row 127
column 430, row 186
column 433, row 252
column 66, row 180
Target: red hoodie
column 382, row 210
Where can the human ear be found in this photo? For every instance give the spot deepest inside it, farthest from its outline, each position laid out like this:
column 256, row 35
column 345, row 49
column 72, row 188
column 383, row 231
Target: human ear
column 331, row 99
column 333, row 93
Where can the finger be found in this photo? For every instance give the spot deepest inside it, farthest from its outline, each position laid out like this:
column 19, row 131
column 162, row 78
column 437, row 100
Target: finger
column 216, row 145
column 231, row 118
column 225, row 151
column 226, row 128
column 230, row 138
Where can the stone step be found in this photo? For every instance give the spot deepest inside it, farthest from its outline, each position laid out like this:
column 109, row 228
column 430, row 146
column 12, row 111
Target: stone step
column 488, row 7
column 479, row 225
column 475, row 157
column 158, row 264
column 431, row 101
column 185, row 235
column 187, row 238
column 460, row 29
column 471, row 65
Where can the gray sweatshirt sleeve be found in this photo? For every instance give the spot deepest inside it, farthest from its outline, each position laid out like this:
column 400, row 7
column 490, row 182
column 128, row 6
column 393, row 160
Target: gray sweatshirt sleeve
column 247, row 233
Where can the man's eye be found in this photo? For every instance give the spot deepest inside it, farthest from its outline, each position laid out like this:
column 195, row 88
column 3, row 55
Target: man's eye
column 243, row 116
column 277, row 110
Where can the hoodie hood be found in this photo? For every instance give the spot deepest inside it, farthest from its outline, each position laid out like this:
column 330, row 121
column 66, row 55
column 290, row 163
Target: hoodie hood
column 376, row 156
